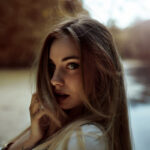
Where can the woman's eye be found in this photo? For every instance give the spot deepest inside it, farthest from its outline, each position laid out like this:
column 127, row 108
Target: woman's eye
column 73, row 66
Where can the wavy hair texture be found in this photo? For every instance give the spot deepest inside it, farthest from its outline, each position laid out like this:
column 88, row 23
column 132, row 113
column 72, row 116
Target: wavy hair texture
column 104, row 95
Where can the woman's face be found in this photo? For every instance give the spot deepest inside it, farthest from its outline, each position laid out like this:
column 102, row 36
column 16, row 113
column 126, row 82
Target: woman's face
column 66, row 78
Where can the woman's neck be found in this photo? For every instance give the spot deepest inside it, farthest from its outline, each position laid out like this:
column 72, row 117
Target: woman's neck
column 74, row 113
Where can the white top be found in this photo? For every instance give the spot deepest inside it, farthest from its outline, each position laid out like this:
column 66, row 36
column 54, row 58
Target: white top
column 92, row 137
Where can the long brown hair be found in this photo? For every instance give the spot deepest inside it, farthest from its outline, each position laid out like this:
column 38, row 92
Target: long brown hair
column 104, row 95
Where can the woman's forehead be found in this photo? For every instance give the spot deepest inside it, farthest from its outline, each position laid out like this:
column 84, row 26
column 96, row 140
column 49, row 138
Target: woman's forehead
column 63, row 47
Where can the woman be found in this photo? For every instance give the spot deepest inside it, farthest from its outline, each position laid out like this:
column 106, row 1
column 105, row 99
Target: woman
column 80, row 101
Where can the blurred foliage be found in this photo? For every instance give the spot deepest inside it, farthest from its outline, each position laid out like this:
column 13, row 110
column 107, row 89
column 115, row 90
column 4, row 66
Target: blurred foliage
column 134, row 41
column 24, row 25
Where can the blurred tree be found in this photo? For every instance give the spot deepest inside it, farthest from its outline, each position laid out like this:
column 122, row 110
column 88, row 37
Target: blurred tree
column 24, row 24
column 134, row 41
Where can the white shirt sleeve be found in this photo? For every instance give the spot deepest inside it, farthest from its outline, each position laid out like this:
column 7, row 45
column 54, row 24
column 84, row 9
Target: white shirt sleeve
column 93, row 139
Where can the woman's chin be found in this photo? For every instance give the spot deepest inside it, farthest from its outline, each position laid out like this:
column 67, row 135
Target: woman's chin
column 64, row 107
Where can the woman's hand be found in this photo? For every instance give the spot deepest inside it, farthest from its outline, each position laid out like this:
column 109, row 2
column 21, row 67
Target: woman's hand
column 40, row 119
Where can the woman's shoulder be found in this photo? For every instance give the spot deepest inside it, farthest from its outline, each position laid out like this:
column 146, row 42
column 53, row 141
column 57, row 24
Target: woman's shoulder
column 83, row 137
column 90, row 127
column 87, row 137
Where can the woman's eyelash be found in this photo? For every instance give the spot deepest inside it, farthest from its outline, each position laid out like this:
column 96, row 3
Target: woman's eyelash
column 73, row 66
column 70, row 66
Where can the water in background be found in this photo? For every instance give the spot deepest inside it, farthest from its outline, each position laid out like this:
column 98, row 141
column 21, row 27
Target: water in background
column 16, row 87
column 138, row 94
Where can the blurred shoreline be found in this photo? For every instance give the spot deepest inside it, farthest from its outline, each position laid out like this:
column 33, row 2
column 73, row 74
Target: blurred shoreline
column 138, row 73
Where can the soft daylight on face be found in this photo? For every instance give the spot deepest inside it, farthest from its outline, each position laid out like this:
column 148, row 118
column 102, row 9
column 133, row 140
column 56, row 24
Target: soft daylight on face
column 66, row 77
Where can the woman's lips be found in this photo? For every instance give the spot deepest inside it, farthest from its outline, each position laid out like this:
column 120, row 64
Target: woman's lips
column 61, row 98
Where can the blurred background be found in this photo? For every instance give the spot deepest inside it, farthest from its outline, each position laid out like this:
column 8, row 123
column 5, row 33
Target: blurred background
column 23, row 28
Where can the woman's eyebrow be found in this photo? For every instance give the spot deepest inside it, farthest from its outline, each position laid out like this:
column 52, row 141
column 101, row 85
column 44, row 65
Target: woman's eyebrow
column 70, row 57
column 65, row 58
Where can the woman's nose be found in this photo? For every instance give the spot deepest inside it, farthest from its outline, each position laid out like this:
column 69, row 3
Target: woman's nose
column 57, row 79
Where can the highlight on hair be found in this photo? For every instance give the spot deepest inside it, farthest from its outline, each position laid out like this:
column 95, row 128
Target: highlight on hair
column 104, row 95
